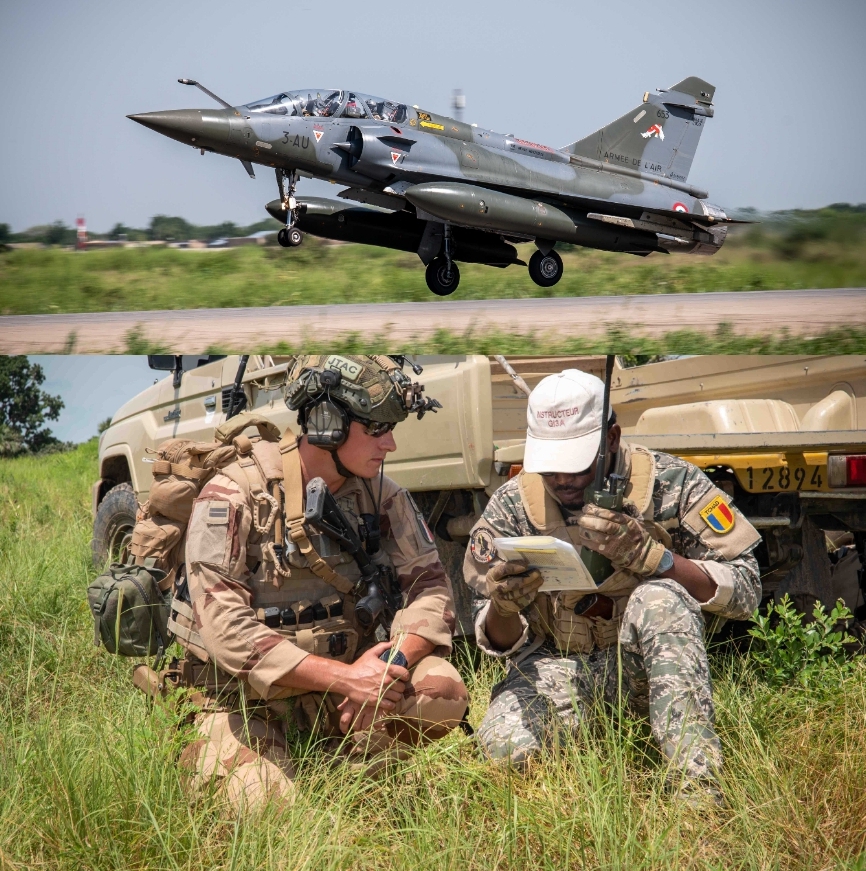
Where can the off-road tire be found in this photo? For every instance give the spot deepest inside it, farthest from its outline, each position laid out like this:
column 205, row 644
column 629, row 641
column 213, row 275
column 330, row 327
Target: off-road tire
column 438, row 279
column 112, row 529
column 545, row 269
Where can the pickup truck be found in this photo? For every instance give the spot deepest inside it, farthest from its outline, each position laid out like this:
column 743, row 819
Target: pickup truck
column 784, row 436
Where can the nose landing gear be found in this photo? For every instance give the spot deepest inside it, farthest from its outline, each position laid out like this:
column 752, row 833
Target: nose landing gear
column 290, row 236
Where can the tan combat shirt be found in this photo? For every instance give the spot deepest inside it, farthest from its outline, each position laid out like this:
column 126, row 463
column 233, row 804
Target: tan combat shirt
column 225, row 578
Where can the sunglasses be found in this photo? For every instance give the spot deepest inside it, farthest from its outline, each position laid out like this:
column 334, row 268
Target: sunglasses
column 374, row 428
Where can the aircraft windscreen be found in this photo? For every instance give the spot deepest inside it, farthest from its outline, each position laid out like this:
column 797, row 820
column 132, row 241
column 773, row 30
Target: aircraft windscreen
column 322, row 103
column 310, row 102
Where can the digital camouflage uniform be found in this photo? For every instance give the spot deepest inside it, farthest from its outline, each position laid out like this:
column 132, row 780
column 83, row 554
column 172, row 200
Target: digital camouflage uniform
column 237, row 659
column 657, row 633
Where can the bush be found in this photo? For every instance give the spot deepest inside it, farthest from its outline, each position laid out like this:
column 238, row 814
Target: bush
column 790, row 650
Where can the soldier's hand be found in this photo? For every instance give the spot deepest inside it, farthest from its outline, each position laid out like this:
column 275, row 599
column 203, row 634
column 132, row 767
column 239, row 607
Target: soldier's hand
column 371, row 683
column 623, row 539
column 368, row 718
column 514, row 587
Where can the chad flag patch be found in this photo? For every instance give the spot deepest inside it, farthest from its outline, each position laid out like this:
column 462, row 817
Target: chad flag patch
column 718, row 516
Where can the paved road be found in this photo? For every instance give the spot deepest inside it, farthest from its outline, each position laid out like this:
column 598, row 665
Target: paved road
column 803, row 312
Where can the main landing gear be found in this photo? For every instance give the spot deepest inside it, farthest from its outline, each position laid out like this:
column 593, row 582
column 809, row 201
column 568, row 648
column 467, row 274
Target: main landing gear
column 545, row 269
column 442, row 274
column 290, row 236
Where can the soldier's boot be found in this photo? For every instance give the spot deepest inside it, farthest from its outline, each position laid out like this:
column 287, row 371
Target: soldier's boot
column 665, row 665
column 245, row 757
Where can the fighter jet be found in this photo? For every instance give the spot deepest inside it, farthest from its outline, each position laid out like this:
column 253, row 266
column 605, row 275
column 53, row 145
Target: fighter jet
column 450, row 191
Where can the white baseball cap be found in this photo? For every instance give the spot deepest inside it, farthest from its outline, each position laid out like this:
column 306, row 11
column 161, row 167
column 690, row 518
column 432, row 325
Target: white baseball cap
column 563, row 423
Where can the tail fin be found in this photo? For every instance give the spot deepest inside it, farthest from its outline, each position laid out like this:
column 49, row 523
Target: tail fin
column 659, row 137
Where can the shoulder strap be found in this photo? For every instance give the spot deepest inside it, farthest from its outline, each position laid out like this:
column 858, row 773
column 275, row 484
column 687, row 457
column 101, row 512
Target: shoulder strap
column 293, row 486
column 541, row 508
column 234, row 426
column 641, row 479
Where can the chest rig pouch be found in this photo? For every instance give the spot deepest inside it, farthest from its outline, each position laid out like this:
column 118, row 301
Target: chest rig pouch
column 553, row 615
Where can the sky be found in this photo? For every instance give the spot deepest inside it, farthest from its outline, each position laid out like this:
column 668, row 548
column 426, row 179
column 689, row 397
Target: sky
column 92, row 388
column 788, row 131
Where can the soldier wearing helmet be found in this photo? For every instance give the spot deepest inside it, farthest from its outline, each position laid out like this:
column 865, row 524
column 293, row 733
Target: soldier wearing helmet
column 274, row 604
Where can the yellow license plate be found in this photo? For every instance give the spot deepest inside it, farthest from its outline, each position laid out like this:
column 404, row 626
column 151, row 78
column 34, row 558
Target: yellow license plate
column 782, row 478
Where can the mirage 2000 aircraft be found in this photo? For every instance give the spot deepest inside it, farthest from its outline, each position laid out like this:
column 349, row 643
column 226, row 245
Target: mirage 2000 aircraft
column 449, row 191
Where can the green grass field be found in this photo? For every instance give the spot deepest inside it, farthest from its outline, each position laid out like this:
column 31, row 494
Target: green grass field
column 88, row 777
column 52, row 281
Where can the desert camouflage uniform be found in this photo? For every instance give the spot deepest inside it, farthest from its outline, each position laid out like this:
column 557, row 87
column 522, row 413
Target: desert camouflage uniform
column 660, row 651
column 231, row 573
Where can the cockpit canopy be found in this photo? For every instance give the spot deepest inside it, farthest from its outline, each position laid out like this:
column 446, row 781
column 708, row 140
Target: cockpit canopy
column 324, row 103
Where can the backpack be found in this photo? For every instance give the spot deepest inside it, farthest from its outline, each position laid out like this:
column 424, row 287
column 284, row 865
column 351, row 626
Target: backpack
column 135, row 605
column 129, row 610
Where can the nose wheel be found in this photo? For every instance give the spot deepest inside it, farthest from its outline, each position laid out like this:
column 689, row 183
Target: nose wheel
column 290, row 237
column 545, row 269
column 442, row 276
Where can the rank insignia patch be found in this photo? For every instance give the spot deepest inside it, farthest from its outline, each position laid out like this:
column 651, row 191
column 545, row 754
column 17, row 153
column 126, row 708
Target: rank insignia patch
column 718, row 516
column 481, row 546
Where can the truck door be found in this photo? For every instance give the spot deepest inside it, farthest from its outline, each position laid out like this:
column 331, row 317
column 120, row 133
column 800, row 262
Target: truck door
column 193, row 410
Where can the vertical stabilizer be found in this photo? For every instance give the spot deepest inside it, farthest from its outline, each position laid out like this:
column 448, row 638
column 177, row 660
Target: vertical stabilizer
column 659, row 137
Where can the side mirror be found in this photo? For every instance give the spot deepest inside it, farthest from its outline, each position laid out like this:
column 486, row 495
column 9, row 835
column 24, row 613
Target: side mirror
column 179, row 363
column 161, row 362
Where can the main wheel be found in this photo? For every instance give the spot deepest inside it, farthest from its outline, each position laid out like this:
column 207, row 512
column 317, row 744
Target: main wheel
column 112, row 529
column 545, row 269
column 440, row 279
column 295, row 237
column 283, row 237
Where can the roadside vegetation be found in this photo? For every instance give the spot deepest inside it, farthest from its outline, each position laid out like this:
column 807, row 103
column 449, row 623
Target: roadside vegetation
column 824, row 248
column 622, row 339
column 88, row 780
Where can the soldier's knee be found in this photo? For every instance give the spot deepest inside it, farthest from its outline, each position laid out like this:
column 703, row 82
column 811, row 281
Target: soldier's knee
column 436, row 699
column 504, row 740
column 657, row 608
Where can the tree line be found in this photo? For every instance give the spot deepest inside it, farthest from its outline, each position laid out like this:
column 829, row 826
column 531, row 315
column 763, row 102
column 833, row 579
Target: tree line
column 165, row 228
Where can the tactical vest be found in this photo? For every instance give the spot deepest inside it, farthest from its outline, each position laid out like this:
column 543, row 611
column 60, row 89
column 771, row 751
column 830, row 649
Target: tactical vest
column 552, row 614
column 307, row 592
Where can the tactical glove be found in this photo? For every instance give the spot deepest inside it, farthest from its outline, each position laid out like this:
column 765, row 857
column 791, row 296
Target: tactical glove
column 623, row 539
column 514, row 587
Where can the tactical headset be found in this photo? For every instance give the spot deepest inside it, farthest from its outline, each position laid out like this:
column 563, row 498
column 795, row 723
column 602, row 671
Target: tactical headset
column 326, row 425
column 325, row 422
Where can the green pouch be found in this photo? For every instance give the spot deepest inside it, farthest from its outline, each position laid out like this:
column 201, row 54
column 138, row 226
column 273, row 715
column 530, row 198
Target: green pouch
column 129, row 610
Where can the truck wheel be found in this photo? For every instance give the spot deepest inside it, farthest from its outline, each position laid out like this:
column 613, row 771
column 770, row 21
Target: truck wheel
column 545, row 269
column 295, row 237
column 112, row 529
column 439, row 280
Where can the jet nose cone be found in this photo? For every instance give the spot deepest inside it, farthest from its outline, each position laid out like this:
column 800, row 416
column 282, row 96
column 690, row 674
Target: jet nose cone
column 191, row 126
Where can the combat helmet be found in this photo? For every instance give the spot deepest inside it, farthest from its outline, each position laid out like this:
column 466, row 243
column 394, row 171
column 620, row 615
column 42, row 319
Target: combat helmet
column 330, row 390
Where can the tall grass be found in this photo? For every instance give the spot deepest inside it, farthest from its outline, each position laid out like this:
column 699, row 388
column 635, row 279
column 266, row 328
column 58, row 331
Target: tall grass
column 88, row 780
column 54, row 281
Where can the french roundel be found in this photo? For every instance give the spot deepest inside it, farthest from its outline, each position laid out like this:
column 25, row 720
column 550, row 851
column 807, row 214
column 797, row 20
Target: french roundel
column 680, row 207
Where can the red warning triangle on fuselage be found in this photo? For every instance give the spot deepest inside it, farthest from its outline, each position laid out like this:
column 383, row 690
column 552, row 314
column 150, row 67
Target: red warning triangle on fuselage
column 318, row 134
column 396, row 155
